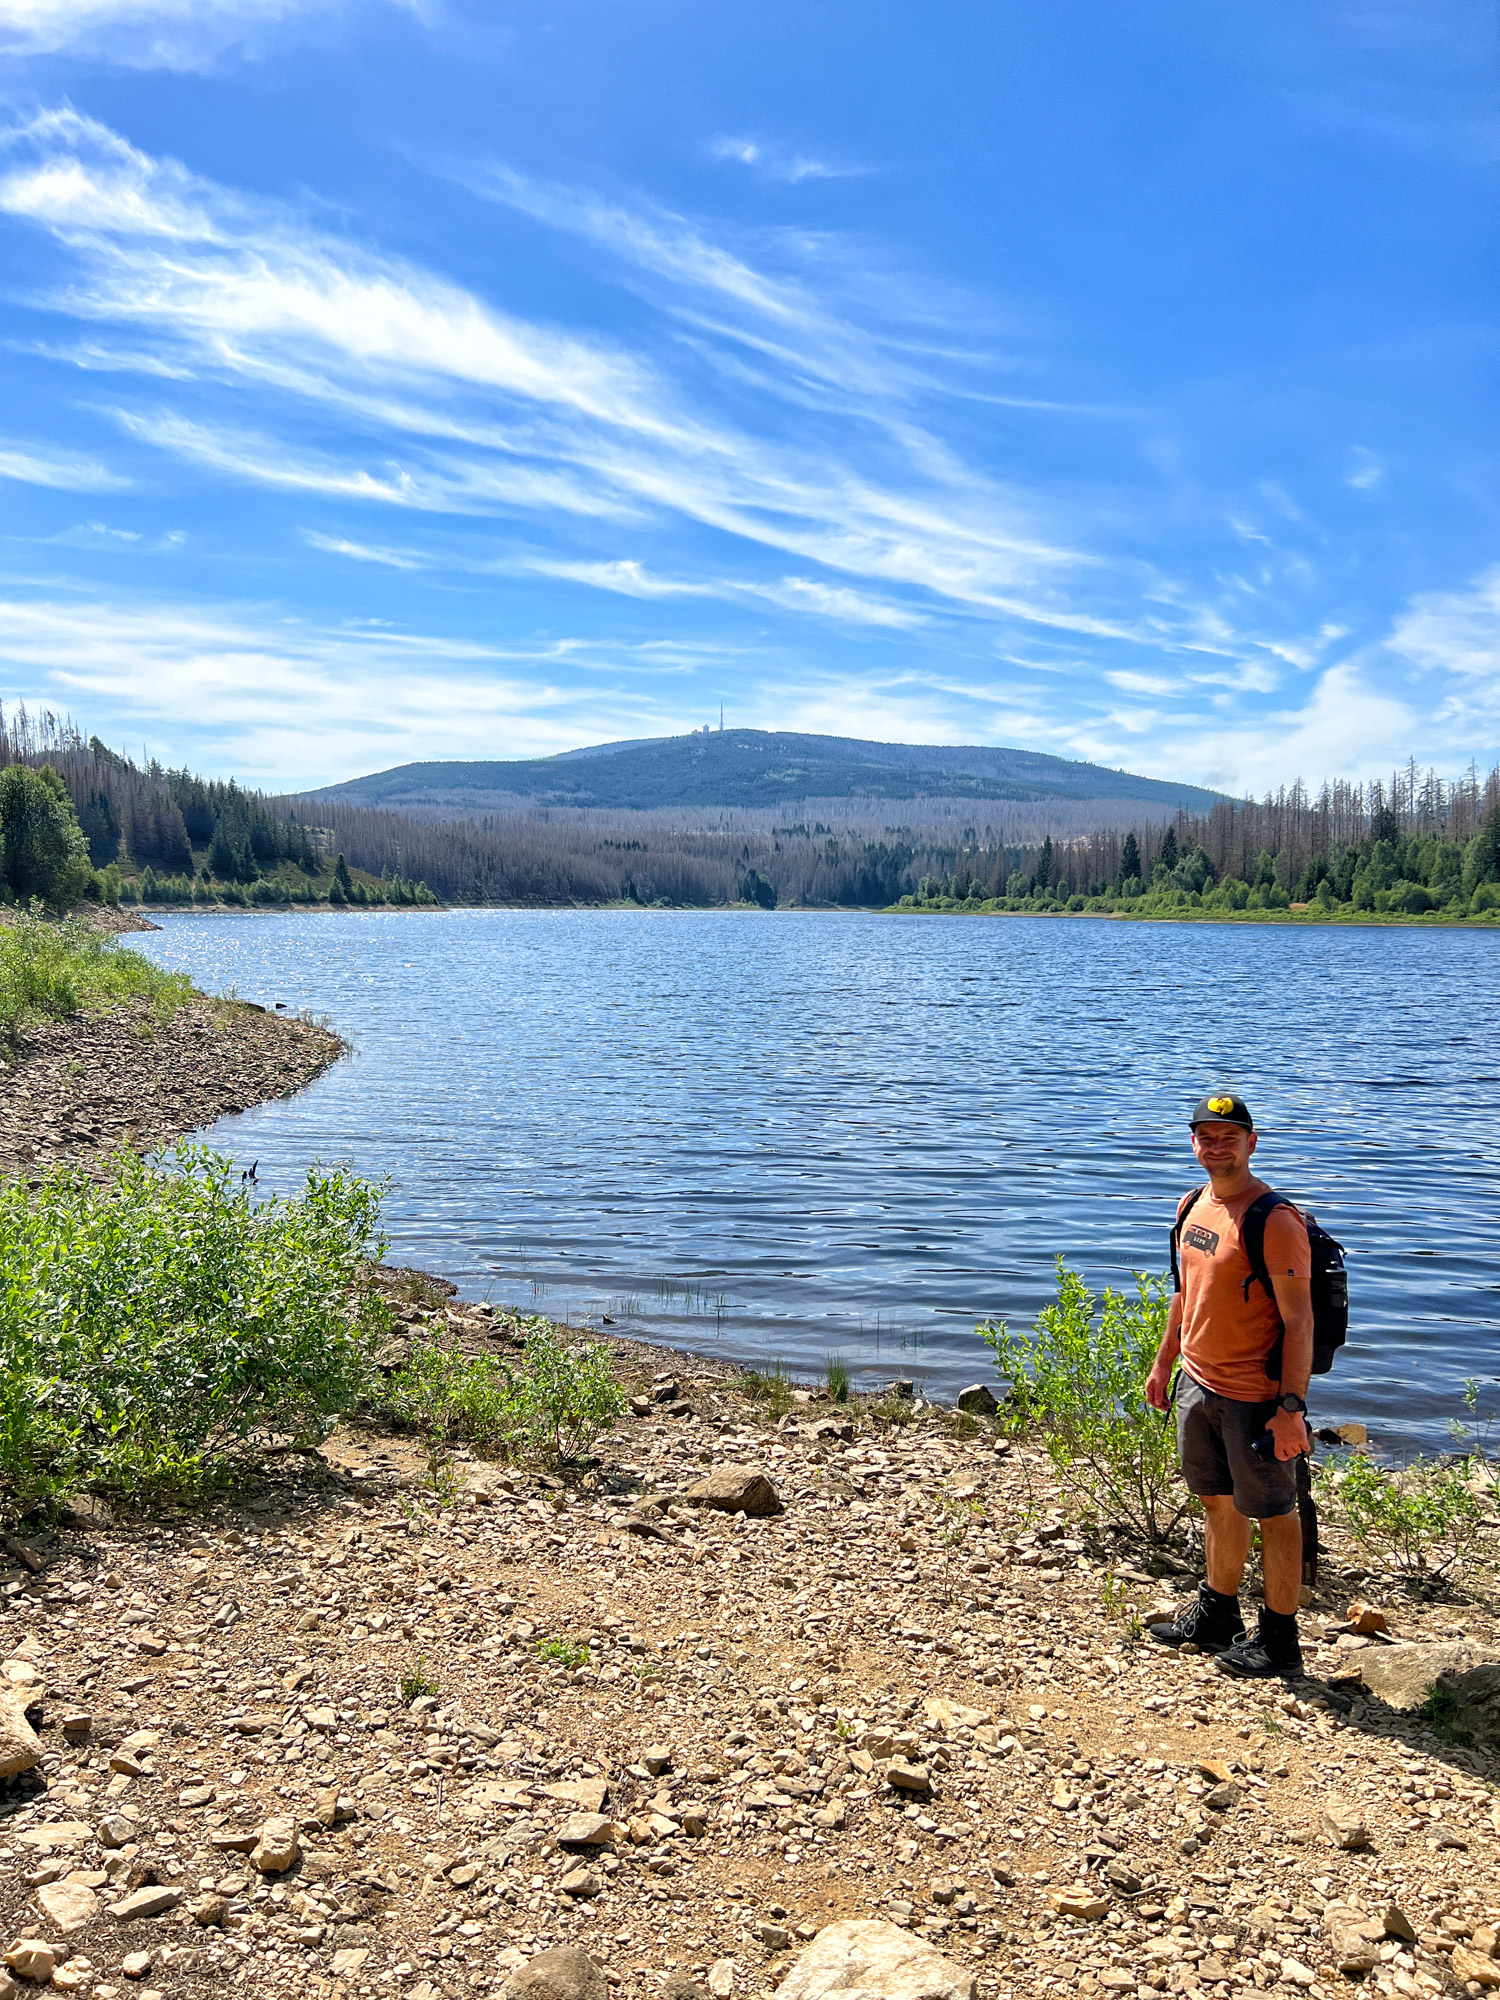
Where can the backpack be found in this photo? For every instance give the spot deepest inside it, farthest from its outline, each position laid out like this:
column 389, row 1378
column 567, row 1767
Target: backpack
column 1330, row 1278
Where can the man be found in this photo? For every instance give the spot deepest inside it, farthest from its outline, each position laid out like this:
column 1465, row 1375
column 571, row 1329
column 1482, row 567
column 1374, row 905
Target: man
column 1223, row 1326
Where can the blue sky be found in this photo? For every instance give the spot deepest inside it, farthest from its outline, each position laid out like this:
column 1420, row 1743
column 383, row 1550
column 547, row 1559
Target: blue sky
column 389, row 381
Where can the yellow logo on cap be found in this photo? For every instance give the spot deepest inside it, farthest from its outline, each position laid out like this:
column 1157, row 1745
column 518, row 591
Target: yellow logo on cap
column 1221, row 1105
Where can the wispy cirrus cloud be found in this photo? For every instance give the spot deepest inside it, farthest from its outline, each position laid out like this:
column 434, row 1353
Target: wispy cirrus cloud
column 45, row 465
column 291, row 701
column 528, row 416
column 153, row 34
column 781, row 163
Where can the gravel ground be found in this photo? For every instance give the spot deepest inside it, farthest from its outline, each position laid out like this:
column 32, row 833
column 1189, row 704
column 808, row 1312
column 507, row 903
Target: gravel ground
column 591, row 1712
column 80, row 1089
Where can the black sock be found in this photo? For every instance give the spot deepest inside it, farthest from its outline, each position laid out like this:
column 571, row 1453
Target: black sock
column 1279, row 1624
column 1221, row 1600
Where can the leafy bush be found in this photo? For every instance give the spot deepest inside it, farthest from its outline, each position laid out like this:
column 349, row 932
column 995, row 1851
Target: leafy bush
column 53, row 970
column 551, row 1406
column 159, row 1328
column 43, row 853
column 1421, row 1517
column 1077, row 1381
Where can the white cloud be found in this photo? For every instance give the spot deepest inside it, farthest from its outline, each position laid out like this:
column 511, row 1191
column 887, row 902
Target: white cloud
column 151, row 34
column 1455, row 632
column 778, row 164
column 286, row 702
column 46, row 465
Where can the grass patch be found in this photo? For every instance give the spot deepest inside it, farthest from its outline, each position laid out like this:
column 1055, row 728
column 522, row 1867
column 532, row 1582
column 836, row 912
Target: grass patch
column 160, row 1330
column 1439, row 1709
column 769, row 1387
column 836, row 1378
column 52, row 971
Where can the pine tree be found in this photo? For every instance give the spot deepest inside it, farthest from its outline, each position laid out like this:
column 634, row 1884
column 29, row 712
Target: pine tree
column 1130, row 859
column 1169, row 850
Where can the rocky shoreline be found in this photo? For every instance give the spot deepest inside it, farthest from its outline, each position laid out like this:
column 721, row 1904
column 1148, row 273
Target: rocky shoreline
column 79, row 1089
column 778, row 1694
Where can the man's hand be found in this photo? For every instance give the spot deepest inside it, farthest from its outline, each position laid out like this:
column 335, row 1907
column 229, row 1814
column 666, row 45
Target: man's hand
column 1158, row 1385
column 1290, row 1432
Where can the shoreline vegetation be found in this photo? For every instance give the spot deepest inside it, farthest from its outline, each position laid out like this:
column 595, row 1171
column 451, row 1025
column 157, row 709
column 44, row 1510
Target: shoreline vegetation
column 77, row 820
column 363, row 1639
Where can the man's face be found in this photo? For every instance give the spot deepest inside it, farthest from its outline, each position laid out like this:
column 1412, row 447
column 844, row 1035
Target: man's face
column 1222, row 1149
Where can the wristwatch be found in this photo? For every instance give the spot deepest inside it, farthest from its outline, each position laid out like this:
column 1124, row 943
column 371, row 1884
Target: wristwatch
column 1293, row 1403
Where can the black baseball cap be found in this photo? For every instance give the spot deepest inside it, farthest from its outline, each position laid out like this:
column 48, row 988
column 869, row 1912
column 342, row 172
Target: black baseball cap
column 1222, row 1108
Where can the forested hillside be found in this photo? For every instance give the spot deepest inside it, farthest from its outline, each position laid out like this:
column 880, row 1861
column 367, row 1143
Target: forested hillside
column 1414, row 846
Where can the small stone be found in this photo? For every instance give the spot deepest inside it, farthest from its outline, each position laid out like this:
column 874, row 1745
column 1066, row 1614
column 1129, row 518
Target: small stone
column 1215, row 1769
column 117, row 1831
column 1397, row 1924
column 1122, row 1877
column 128, row 1765
column 209, row 1911
column 1344, row 1824
column 1366, row 1618
column 32, row 1958
column 735, row 1489
column 77, row 1722
column 225, row 1839
column 1222, row 1798
column 1078, row 1905
column 587, row 1830
column 680, row 1987
column 978, row 1399
column 145, row 1903
column 151, row 1644
column 564, row 1973
column 196, row 1795
column 721, row 1979
column 465, row 1875
column 1475, row 1965
column 136, row 1964
column 349, row 1960
column 904, row 1777
column 775, row 1937
column 581, row 1881
column 69, row 1905
column 657, row 1758
column 277, row 1848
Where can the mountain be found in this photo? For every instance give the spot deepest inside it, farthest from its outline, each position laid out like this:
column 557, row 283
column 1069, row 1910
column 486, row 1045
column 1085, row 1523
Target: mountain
column 754, row 768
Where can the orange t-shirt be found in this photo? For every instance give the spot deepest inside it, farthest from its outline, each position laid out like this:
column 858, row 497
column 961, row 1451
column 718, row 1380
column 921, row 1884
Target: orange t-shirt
column 1225, row 1336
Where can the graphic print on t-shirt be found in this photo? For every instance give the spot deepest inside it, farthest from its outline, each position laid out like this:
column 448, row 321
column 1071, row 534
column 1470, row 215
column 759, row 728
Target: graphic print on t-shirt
column 1200, row 1238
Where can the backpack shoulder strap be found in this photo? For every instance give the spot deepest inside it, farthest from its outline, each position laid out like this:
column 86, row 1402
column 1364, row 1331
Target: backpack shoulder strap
column 1184, row 1207
column 1253, row 1235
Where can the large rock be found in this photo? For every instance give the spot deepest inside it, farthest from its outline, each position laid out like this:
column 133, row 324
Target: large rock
column 1477, row 1695
column 277, row 1849
column 70, row 1905
column 867, row 1959
column 1345, row 1824
column 1354, row 1937
column 736, row 1489
column 564, row 1973
column 19, row 1748
column 1401, row 1675
column 978, row 1399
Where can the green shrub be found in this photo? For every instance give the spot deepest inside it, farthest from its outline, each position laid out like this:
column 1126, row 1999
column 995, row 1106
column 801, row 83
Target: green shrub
column 551, row 1406
column 1421, row 1517
column 161, row 1328
column 43, row 853
column 1077, row 1380
column 563, row 1652
column 836, row 1376
column 49, row 971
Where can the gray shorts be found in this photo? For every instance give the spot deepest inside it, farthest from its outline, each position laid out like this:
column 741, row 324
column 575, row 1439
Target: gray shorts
column 1214, row 1435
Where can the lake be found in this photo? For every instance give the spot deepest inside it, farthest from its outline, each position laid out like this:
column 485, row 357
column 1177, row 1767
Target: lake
column 799, row 1135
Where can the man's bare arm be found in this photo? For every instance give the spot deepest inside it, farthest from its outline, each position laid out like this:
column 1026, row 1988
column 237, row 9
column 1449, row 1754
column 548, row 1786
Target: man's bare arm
column 1294, row 1303
column 1166, row 1355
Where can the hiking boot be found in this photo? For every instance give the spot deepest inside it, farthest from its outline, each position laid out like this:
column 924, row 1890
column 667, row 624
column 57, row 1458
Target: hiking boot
column 1273, row 1654
column 1210, row 1623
